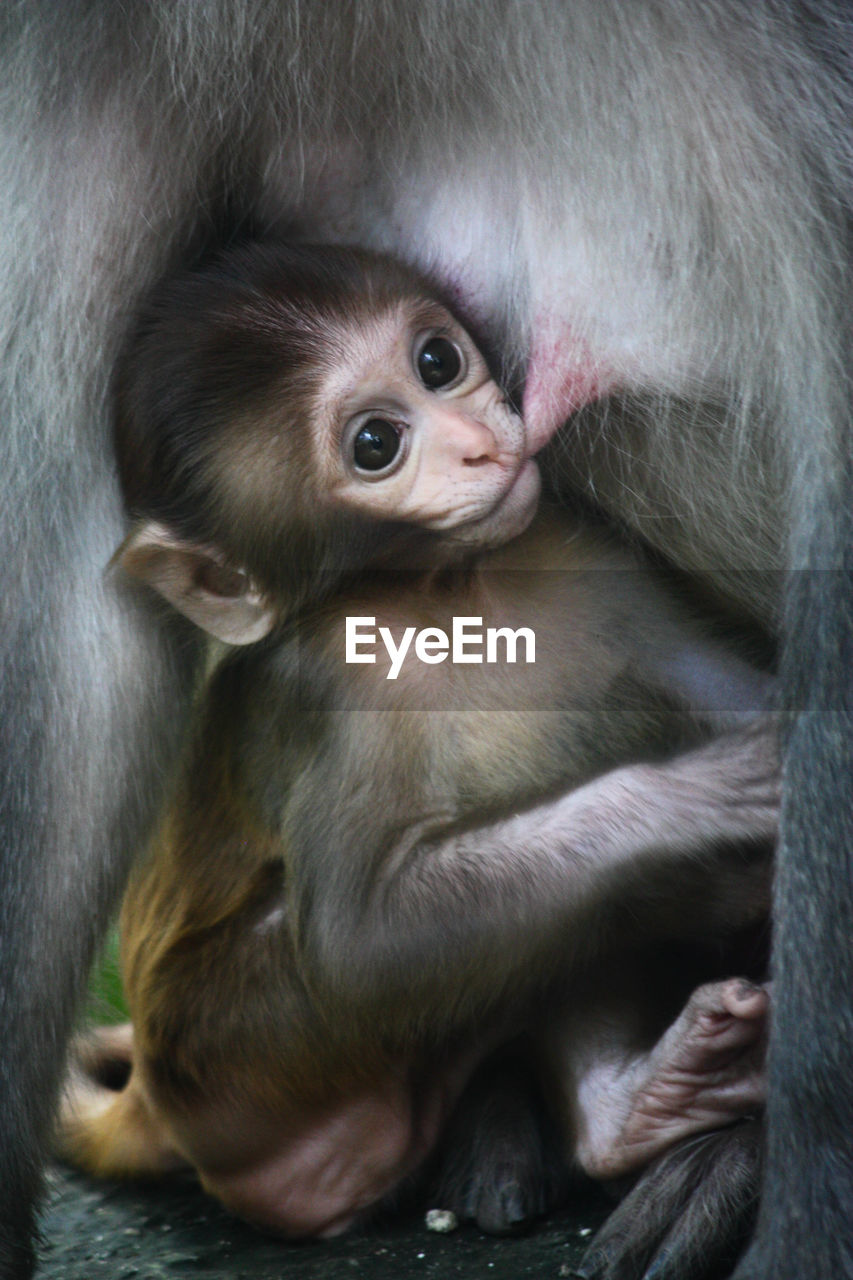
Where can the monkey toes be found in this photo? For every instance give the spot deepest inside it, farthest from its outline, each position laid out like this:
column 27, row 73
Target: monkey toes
column 705, row 1072
column 688, row 1215
column 692, row 1206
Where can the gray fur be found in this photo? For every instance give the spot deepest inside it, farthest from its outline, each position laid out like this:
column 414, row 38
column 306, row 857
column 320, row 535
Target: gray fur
column 673, row 174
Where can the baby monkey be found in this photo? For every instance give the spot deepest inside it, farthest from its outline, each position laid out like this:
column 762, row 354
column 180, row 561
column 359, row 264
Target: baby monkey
column 292, row 414
column 363, row 885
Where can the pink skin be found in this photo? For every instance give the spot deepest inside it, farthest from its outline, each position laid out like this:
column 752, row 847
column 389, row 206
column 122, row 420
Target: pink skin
column 466, row 467
column 563, row 375
column 462, row 448
column 309, row 1173
column 311, row 1177
column 706, row 1071
column 298, row 1169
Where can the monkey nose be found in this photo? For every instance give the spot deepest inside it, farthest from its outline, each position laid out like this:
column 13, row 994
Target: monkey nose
column 473, row 443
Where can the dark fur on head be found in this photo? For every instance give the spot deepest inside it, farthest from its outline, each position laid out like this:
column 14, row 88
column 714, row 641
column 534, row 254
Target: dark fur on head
column 236, row 352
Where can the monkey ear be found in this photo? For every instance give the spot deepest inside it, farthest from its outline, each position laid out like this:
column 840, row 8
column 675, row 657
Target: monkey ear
column 199, row 583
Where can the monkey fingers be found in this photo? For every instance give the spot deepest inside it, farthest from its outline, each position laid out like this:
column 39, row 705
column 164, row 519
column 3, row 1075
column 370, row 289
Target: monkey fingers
column 507, row 891
column 500, row 1162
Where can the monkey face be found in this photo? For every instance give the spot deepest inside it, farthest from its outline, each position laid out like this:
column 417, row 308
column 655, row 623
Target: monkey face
column 414, row 429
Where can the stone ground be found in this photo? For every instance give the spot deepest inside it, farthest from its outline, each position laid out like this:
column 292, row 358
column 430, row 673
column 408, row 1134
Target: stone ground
column 101, row 1231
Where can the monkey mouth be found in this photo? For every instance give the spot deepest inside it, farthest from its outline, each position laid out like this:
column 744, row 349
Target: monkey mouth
column 510, row 515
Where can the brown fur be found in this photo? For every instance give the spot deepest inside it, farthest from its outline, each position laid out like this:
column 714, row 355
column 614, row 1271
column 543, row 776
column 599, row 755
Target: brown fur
column 266, row 979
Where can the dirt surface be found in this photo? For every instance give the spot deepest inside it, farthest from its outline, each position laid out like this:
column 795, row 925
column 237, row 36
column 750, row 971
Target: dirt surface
column 103, row 1231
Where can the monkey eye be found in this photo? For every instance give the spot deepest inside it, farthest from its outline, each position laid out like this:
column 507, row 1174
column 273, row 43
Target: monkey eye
column 375, row 444
column 439, row 363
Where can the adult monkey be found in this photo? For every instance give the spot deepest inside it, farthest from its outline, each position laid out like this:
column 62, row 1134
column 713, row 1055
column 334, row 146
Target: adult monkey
column 644, row 209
